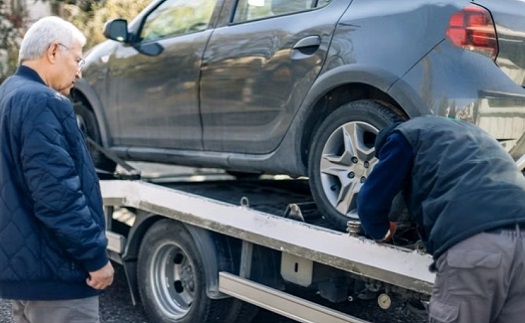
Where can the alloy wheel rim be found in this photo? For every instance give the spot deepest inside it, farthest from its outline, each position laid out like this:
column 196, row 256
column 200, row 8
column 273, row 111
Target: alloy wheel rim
column 347, row 159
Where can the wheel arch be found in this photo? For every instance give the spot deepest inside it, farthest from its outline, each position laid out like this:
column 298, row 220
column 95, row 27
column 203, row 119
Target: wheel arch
column 345, row 84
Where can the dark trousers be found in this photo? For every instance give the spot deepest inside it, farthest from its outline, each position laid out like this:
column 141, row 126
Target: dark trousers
column 68, row 311
column 481, row 279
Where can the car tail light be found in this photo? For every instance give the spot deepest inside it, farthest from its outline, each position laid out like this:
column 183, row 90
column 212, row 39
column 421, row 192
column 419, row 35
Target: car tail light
column 472, row 28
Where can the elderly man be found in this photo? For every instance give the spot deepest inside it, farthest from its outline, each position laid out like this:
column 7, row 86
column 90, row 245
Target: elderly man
column 53, row 261
column 468, row 199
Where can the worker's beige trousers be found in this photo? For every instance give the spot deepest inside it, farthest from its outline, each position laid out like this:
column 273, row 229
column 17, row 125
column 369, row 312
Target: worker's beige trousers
column 481, row 279
column 67, row 311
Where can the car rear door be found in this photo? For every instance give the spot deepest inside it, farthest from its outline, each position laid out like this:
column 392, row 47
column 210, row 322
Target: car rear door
column 258, row 67
column 156, row 93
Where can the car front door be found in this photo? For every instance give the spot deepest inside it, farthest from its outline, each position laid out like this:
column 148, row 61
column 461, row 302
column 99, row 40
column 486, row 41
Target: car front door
column 154, row 81
column 258, row 68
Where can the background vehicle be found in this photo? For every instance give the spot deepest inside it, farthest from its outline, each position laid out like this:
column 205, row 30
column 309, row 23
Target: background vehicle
column 299, row 87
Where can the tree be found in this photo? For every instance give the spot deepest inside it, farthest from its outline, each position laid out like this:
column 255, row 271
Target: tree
column 88, row 15
column 12, row 18
column 91, row 16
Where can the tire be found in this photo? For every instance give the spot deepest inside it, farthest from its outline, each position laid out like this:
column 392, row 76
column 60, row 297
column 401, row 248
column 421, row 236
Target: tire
column 87, row 123
column 336, row 172
column 171, row 279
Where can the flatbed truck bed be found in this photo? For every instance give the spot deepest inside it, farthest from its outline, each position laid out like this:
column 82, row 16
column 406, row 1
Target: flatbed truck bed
column 271, row 222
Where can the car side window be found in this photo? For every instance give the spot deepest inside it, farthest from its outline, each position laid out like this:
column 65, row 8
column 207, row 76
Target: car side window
column 247, row 10
column 177, row 17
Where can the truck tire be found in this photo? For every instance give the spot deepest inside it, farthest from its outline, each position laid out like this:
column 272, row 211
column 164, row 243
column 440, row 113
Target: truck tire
column 171, row 278
column 342, row 155
column 87, row 123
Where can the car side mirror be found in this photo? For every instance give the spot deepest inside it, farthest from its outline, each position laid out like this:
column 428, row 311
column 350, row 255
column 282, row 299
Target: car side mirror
column 117, row 29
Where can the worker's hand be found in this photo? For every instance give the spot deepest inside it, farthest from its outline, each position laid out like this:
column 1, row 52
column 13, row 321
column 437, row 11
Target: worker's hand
column 390, row 232
column 101, row 278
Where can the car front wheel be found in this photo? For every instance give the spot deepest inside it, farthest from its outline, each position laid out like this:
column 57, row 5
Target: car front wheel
column 342, row 156
column 87, row 123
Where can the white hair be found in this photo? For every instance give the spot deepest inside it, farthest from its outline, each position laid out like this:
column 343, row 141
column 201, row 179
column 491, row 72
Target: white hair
column 46, row 31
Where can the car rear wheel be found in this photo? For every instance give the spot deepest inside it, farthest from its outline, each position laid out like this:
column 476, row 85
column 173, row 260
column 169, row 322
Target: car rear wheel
column 342, row 155
column 88, row 125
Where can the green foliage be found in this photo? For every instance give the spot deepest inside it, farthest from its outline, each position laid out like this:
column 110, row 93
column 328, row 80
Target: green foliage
column 84, row 5
column 92, row 22
column 11, row 25
column 88, row 15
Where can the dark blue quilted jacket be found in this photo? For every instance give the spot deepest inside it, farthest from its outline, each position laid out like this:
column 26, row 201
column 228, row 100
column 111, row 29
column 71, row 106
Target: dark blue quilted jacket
column 52, row 229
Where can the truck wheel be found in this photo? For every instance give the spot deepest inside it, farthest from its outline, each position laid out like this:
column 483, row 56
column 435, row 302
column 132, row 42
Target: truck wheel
column 88, row 125
column 342, row 156
column 171, row 278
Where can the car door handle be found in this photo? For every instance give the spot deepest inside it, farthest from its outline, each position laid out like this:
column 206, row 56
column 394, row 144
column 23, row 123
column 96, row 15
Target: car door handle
column 305, row 47
column 308, row 42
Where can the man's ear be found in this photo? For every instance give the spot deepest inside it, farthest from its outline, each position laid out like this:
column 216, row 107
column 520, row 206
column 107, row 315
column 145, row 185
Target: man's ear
column 51, row 53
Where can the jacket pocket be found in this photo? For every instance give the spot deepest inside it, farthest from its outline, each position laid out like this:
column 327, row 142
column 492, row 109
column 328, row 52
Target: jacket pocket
column 441, row 312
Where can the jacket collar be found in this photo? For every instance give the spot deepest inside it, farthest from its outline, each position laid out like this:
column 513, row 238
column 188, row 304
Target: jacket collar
column 383, row 135
column 28, row 72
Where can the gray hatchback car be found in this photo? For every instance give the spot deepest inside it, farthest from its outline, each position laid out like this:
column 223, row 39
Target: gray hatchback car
column 299, row 87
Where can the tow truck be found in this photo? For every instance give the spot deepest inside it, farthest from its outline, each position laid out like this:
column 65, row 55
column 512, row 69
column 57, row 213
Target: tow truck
column 204, row 248
column 195, row 251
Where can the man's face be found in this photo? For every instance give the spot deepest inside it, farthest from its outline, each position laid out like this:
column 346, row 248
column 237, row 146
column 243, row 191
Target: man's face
column 69, row 61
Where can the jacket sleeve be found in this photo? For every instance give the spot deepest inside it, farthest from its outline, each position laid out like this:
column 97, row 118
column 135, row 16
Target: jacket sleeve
column 55, row 185
column 387, row 179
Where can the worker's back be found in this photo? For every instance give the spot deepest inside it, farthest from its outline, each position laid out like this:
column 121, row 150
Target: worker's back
column 463, row 181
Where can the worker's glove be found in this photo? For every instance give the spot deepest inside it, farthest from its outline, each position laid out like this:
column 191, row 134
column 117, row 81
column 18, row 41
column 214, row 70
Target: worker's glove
column 390, row 232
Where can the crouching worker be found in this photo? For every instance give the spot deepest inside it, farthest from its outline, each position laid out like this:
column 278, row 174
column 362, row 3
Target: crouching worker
column 53, row 261
column 467, row 197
